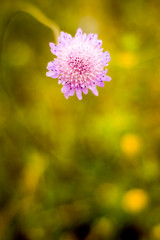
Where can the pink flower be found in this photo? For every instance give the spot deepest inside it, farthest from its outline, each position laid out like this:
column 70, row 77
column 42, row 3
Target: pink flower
column 79, row 64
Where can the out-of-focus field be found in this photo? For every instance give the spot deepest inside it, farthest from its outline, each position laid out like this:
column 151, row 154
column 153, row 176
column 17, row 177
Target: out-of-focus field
column 80, row 170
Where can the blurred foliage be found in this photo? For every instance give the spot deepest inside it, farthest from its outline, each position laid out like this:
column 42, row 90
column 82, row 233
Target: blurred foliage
column 74, row 170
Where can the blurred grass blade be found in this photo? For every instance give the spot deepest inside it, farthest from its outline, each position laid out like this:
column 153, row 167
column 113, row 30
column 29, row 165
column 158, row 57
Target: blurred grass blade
column 40, row 17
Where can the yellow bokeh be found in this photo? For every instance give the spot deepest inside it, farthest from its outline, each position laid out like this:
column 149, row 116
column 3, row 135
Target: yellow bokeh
column 130, row 144
column 127, row 59
column 135, row 201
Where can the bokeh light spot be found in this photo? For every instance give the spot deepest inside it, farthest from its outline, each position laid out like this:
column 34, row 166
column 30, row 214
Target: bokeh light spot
column 127, row 59
column 135, row 200
column 130, row 144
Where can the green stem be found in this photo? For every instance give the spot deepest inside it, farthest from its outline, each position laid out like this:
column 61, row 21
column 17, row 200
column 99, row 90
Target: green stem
column 40, row 17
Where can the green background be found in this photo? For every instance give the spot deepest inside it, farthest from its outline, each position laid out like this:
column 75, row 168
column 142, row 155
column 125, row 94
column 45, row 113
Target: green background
column 87, row 169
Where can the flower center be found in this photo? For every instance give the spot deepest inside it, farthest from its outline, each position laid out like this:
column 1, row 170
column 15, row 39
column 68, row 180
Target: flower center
column 78, row 65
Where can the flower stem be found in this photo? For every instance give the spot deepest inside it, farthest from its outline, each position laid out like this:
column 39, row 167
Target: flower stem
column 40, row 17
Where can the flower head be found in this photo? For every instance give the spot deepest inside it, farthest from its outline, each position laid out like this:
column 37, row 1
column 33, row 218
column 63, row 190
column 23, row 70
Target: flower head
column 79, row 64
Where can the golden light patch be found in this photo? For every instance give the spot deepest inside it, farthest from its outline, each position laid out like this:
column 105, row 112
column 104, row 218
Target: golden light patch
column 135, row 201
column 130, row 144
column 127, row 59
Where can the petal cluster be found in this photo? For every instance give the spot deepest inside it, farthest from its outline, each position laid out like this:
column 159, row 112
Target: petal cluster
column 80, row 63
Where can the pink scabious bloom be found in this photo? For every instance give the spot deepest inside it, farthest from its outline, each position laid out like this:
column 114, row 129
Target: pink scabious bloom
column 79, row 64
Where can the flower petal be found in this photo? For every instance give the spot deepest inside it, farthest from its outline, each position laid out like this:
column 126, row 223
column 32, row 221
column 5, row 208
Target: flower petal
column 104, row 71
column 53, row 48
column 84, row 36
column 65, row 88
column 98, row 43
column 105, row 58
column 51, row 66
column 92, row 39
column 64, row 38
column 107, row 78
column 67, row 37
column 90, row 36
column 71, row 92
column 66, row 95
column 100, row 83
column 78, row 33
column 53, row 74
column 85, row 90
column 79, row 93
column 94, row 90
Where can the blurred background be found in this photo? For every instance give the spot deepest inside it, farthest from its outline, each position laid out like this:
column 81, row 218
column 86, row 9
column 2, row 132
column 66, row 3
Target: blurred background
column 80, row 170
